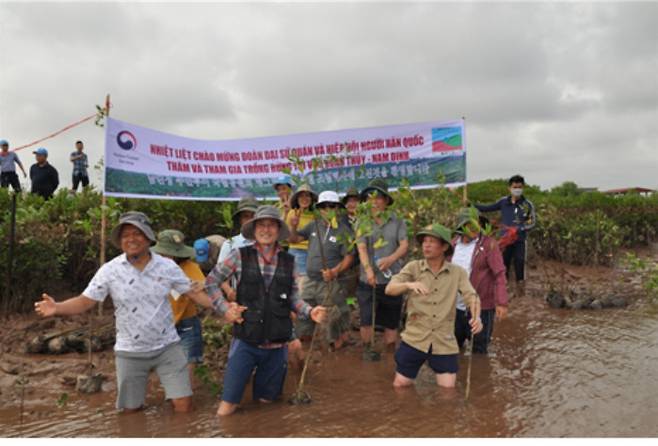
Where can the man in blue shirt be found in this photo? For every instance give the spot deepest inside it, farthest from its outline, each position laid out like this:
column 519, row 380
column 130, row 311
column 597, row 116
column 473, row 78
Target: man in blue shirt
column 517, row 214
column 8, row 161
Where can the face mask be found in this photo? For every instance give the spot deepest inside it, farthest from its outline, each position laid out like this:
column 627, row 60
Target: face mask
column 517, row 192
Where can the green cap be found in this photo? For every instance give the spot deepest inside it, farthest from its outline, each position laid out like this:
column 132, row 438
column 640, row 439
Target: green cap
column 378, row 185
column 435, row 230
column 246, row 204
column 171, row 243
column 467, row 215
column 351, row 192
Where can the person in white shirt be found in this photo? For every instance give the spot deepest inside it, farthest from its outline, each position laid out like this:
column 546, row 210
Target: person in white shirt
column 139, row 282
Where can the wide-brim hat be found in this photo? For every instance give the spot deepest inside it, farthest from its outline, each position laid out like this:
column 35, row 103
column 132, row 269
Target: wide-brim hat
column 249, row 204
column 172, row 243
column 263, row 213
column 468, row 215
column 328, row 197
column 294, row 200
column 138, row 220
column 351, row 192
column 377, row 185
column 438, row 231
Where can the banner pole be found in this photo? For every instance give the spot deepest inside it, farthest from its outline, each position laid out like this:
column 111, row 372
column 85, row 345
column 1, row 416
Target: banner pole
column 103, row 211
column 465, row 196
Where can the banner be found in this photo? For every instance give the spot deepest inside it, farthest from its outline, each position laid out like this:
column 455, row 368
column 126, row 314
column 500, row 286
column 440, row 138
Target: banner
column 145, row 163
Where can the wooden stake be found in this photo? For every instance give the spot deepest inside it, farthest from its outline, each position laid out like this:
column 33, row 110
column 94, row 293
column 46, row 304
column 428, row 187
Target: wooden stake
column 103, row 241
column 468, row 372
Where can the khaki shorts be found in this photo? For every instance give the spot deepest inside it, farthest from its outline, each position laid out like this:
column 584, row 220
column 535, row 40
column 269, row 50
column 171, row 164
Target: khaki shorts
column 133, row 370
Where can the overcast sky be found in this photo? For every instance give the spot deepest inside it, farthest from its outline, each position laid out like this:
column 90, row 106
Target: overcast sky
column 553, row 91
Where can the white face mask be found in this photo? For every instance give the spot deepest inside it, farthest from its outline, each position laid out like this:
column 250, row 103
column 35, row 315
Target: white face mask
column 517, row 192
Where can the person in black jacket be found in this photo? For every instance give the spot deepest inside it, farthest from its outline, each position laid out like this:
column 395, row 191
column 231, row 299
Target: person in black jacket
column 43, row 175
column 518, row 215
column 267, row 293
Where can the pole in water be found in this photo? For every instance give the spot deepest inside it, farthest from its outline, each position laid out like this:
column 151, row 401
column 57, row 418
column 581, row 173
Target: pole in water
column 468, row 372
column 103, row 242
column 370, row 354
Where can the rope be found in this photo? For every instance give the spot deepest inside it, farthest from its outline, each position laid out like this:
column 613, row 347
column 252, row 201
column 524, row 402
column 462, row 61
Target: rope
column 52, row 135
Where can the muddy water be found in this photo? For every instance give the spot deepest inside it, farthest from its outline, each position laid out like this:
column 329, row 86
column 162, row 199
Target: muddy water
column 553, row 373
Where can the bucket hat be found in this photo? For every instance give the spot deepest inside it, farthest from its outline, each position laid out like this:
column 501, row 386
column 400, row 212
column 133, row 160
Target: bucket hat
column 263, row 213
column 172, row 243
column 138, row 220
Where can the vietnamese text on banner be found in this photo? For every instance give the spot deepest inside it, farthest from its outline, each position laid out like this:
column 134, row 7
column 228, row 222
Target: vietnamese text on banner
column 145, row 163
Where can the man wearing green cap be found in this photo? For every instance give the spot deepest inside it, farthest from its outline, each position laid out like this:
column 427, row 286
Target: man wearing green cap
column 381, row 248
column 480, row 256
column 432, row 285
column 171, row 244
column 351, row 202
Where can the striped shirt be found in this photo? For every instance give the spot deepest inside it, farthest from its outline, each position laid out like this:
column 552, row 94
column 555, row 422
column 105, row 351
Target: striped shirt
column 232, row 267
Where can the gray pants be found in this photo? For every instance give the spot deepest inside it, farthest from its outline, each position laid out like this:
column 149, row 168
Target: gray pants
column 133, row 371
column 313, row 293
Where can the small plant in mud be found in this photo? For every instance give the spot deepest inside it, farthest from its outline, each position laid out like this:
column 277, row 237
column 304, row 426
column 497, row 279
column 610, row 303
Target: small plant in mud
column 216, row 339
column 62, row 400
column 648, row 272
column 205, row 375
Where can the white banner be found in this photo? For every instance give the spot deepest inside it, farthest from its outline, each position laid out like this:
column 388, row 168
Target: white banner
column 145, row 163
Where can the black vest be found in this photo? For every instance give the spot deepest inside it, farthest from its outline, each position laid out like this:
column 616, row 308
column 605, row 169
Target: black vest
column 267, row 318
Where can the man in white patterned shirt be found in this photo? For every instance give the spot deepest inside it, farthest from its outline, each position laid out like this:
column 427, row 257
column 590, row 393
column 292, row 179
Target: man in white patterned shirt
column 139, row 282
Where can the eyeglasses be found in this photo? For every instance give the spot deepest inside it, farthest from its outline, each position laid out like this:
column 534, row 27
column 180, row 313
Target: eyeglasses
column 327, row 206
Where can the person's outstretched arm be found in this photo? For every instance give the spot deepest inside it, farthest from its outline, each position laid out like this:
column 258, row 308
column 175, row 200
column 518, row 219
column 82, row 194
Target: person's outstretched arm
column 47, row 307
column 488, row 207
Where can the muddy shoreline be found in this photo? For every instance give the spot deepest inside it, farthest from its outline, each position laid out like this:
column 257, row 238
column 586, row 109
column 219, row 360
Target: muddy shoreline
column 553, row 372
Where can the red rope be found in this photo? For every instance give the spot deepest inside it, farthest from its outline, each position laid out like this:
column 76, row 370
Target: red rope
column 68, row 127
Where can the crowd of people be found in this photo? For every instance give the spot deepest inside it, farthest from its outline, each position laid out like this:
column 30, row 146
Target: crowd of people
column 294, row 265
column 44, row 177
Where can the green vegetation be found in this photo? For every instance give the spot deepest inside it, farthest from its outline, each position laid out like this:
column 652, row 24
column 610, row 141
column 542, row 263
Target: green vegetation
column 57, row 241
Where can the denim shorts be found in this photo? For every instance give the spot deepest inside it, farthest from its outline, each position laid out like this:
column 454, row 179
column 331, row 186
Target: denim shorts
column 271, row 366
column 189, row 331
column 300, row 259
column 409, row 361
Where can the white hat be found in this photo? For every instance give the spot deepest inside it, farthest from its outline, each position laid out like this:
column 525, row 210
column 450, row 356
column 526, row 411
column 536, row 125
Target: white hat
column 329, row 196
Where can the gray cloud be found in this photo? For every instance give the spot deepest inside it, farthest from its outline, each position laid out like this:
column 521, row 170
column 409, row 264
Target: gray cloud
column 555, row 91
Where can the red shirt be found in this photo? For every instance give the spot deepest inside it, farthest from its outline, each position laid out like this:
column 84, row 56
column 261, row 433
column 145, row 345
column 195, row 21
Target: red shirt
column 488, row 273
